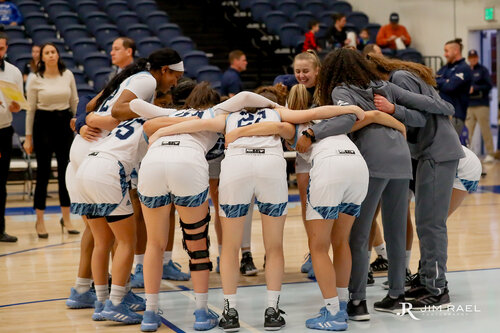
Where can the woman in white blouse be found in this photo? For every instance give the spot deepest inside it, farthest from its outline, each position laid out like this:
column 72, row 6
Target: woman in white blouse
column 53, row 98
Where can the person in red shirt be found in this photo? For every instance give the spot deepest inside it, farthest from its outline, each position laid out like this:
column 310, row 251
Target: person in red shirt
column 310, row 41
column 387, row 35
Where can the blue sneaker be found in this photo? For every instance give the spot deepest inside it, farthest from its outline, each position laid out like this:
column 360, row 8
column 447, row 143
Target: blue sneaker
column 343, row 310
column 150, row 321
column 205, row 319
column 120, row 313
column 97, row 316
column 135, row 303
column 311, row 274
column 172, row 271
column 325, row 321
column 307, row 265
column 217, row 268
column 81, row 301
column 137, row 279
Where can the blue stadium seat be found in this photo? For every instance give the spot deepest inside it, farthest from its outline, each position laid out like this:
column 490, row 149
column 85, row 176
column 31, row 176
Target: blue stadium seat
column 100, row 79
column 57, row 6
column 27, row 7
column 288, row 7
column 133, row 4
column 314, row 6
column 302, row 18
column 84, row 89
column 64, row 19
column 329, row 3
column 43, row 32
column 323, row 29
column 74, row 32
column 94, row 19
column 18, row 46
column 145, row 8
column 14, row 32
column 138, row 32
column 58, row 42
column 359, row 19
column 389, row 53
column 246, row 4
column 182, row 45
column 83, row 46
column 193, row 61
column 20, row 60
column 289, row 34
column 85, row 7
column 125, row 19
column 209, row 73
column 168, row 31
column 33, row 20
column 326, row 18
column 106, row 33
column 351, row 27
column 410, row 54
column 217, row 86
column 68, row 60
column 154, row 19
column 107, row 46
column 113, row 7
column 274, row 19
column 148, row 45
column 95, row 61
column 341, row 7
column 373, row 29
column 259, row 8
column 79, row 75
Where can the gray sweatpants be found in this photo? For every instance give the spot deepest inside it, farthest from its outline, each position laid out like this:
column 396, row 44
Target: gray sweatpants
column 393, row 194
column 433, row 187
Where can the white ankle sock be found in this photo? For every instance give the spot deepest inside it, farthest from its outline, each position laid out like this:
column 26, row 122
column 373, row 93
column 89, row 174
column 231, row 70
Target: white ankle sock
column 231, row 299
column 139, row 259
column 369, row 258
column 102, row 292
column 167, row 256
column 152, row 302
column 201, row 300
column 332, row 304
column 381, row 251
column 408, row 256
column 127, row 287
column 343, row 294
column 117, row 294
column 273, row 297
column 82, row 285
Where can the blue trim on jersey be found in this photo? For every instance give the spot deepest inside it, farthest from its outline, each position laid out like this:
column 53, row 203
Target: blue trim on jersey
column 145, row 137
column 270, row 209
column 470, row 185
column 123, row 180
column 102, row 209
column 227, row 118
column 191, row 200
column 155, row 202
column 279, row 116
column 296, row 137
column 350, row 208
column 237, row 210
column 134, row 174
column 212, row 113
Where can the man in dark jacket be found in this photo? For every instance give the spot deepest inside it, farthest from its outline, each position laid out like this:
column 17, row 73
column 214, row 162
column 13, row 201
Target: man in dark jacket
column 454, row 80
column 479, row 104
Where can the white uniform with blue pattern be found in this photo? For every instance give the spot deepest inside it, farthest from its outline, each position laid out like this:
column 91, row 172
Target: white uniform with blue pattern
column 468, row 172
column 175, row 168
column 104, row 175
column 253, row 166
column 338, row 180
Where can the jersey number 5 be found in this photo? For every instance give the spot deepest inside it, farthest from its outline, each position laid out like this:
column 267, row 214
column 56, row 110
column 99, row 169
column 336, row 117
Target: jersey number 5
column 125, row 130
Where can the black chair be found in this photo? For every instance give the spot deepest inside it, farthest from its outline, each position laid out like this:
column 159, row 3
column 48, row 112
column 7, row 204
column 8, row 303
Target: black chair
column 15, row 32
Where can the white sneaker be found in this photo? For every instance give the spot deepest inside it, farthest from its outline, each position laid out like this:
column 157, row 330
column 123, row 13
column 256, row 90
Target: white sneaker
column 488, row 159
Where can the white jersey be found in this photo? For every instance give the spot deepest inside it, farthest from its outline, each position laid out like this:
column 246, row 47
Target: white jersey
column 336, row 145
column 244, row 118
column 204, row 140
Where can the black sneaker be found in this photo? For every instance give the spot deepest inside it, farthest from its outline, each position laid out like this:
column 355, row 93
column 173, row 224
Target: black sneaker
column 380, row 264
column 415, row 293
column 408, row 280
column 7, row 238
column 358, row 312
column 230, row 320
column 370, row 281
column 428, row 301
column 247, row 266
column 273, row 321
column 415, row 281
column 391, row 305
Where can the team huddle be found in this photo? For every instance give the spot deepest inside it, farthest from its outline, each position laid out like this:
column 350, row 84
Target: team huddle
column 355, row 135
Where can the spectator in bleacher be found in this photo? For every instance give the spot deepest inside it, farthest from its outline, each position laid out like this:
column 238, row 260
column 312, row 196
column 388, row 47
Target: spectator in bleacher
column 30, row 68
column 454, row 80
column 372, row 48
column 53, row 100
column 310, row 39
column 231, row 80
column 479, row 104
column 9, row 13
column 122, row 54
column 387, row 35
column 9, row 73
column 363, row 39
column 337, row 35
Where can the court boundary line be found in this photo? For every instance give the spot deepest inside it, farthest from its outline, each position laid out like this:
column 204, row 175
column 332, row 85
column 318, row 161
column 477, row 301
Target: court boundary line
column 37, row 248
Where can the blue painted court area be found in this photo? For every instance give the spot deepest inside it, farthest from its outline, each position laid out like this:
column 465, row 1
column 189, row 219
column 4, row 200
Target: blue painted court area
column 474, row 295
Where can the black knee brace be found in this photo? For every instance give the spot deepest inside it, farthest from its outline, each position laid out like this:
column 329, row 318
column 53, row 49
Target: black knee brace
column 201, row 254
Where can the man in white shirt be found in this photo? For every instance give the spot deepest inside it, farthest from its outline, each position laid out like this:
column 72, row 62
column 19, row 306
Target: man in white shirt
column 12, row 74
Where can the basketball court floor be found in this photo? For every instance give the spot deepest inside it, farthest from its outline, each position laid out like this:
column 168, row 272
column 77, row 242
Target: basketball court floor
column 37, row 274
